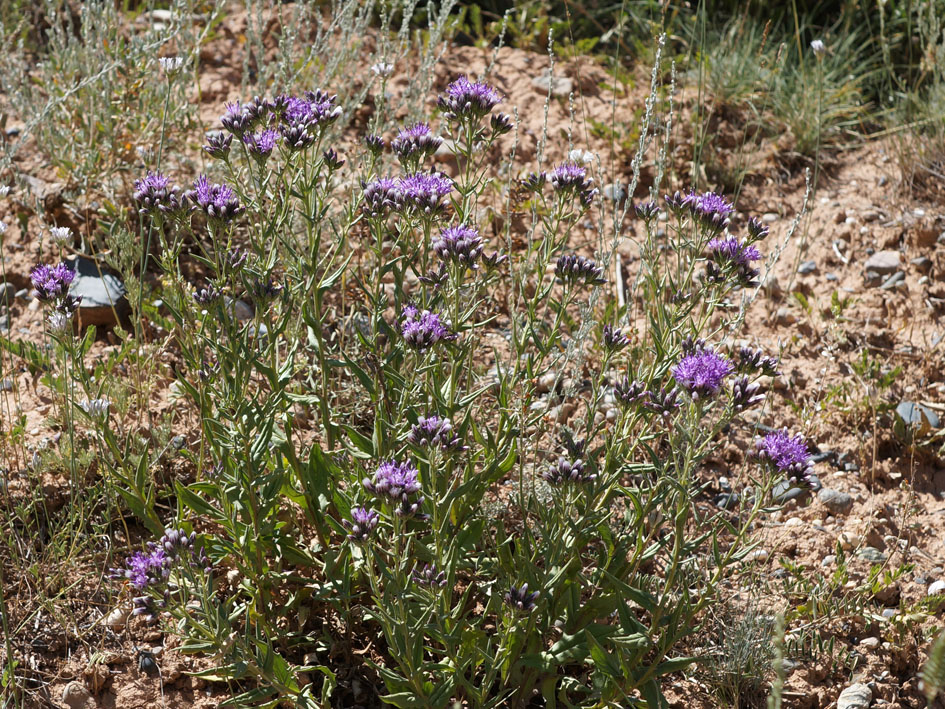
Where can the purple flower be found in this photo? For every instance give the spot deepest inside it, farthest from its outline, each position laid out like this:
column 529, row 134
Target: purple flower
column 362, row 525
column 567, row 471
column 236, row 120
column 218, row 201
column 415, row 143
column 572, row 269
column 394, row 480
column 614, row 339
column 423, row 192
column 664, row 402
column 261, row 144
column 375, row 144
column 332, row 160
column 433, row 431
column 520, row 599
column 422, row 330
column 569, row 176
column 701, row 373
column 709, row 208
column 629, row 392
column 154, row 192
column 745, row 394
column 146, row 569
column 459, row 244
column 428, row 576
column 208, row 294
column 467, row 99
column 730, row 250
column 787, row 454
column 380, row 196
column 218, row 144
column 647, row 211
column 756, row 229
column 534, row 181
column 501, row 124
column 314, row 109
column 176, row 541
column 749, row 361
column 51, row 282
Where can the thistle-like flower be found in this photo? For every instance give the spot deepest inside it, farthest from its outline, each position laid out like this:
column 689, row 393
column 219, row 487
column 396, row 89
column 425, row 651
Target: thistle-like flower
column 51, row 282
column 154, row 192
column 702, row 373
column 567, row 471
column 520, row 599
column 219, row 202
column 745, row 393
column 728, row 254
column 207, row 295
column 434, row 432
column 757, row 230
column 415, row 143
column 570, row 178
column 501, row 124
column 428, row 576
column 382, row 69
column 535, row 181
column 423, row 192
column 710, row 208
column 785, row 454
column 647, row 211
column 380, row 196
column 218, row 144
column 749, row 361
column 573, row 269
column 261, row 143
column 664, row 402
column 422, row 330
column 467, row 99
column 171, row 65
column 362, row 525
column 459, row 244
column 375, row 144
column 235, row 119
column 394, row 480
column 614, row 339
column 332, row 160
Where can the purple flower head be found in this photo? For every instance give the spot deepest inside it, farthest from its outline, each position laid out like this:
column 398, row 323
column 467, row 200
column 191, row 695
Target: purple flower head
column 51, row 282
column 459, row 244
column 787, row 454
column 573, row 269
column 614, row 339
column 745, row 394
column 154, row 192
column 428, row 576
column 380, row 196
column 710, row 208
column 535, row 181
column 435, row 432
column 207, row 295
column 296, row 136
column 236, row 120
column 664, row 402
column 375, row 144
column 218, row 144
column 692, row 345
column 728, row 249
column 332, row 160
column 422, row 330
column 176, row 541
column 756, row 229
column 520, row 599
column 144, row 569
column 569, row 177
column 394, row 480
column 467, row 99
column 749, row 361
column 567, row 471
column 218, row 201
column 423, row 192
column 415, row 143
column 501, row 124
column 647, row 211
column 362, row 525
column 261, row 144
column 702, row 373
column 630, row 393
column 436, row 279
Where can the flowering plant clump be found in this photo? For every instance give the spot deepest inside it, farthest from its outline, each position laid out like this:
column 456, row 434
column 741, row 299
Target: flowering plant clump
column 219, row 202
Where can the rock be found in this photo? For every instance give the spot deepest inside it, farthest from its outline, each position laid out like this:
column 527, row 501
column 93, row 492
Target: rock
column 558, row 85
column 783, row 491
column 807, row 267
column 759, row 555
column 869, row 643
column 76, row 696
column 872, row 279
column 893, row 280
column 840, row 217
column 785, row 317
column 118, row 617
column 935, row 588
column 4, row 323
column 856, row 696
column 889, row 613
column 726, row 500
column 771, row 286
column 103, row 295
column 872, row 555
column 769, row 217
column 829, row 560
column 615, row 192
column 884, row 263
column 916, row 415
column 836, row 501
column 848, row 540
column 242, row 310
column 832, row 277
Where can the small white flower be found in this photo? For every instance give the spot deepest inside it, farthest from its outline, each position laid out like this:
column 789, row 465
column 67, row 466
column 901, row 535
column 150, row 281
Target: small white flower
column 581, row 157
column 383, row 69
column 60, row 322
column 3, row 228
column 60, row 235
column 96, row 408
column 171, row 65
column 818, row 47
column 4, row 190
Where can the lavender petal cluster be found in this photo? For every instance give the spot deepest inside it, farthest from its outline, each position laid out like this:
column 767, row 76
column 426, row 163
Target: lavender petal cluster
column 614, row 339
column 218, row 144
column 702, row 373
column 362, row 525
column 434, row 432
column 630, row 393
column 465, row 99
column 260, row 144
column 459, row 244
column 520, row 599
column 745, row 394
column 154, row 192
column 207, row 295
column 729, row 255
column 786, row 454
column 571, row 179
column 422, row 330
column 219, row 202
column 415, row 143
column 567, row 471
column 398, row 483
column 573, row 269
column 711, row 209
column 749, row 361
column 422, row 192
column 428, row 576
column 380, row 196
column 663, row 402
column 52, row 282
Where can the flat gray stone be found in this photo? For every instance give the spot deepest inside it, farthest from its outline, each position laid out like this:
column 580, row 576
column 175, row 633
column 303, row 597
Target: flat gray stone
column 559, row 85
column 7, row 294
column 615, row 192
column 836, row 501
column 103, row 294
column 884, row 263
column 856, row 696
column 783, row 491
column 916, row 415
column 872, row 554
column 807, row 267
column 893, row 280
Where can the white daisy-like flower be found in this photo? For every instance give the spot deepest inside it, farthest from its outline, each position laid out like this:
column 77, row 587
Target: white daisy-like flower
column 60, row 235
